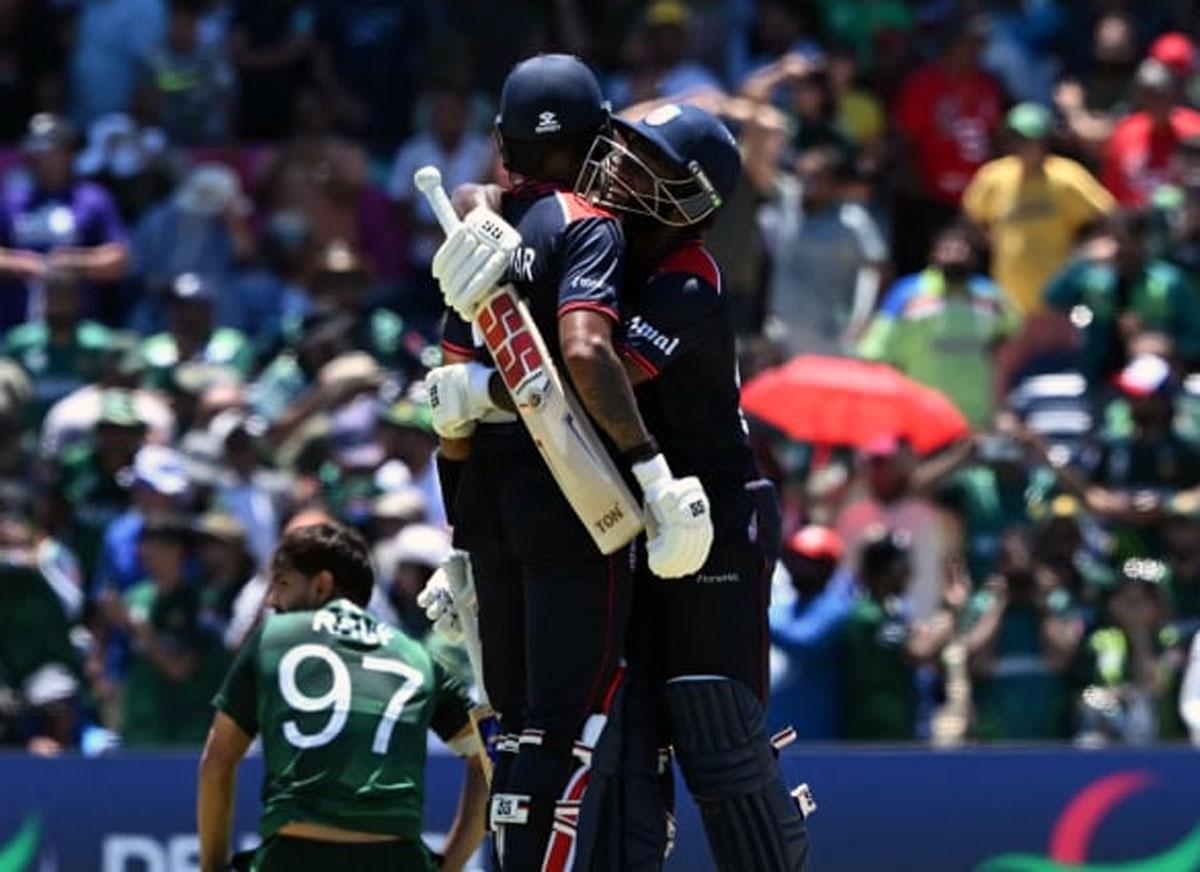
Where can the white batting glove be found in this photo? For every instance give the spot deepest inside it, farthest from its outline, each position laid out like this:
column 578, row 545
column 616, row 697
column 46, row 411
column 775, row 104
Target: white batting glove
column 679, row 521
column 458, row 397
column 473, row 259
column 435, row 598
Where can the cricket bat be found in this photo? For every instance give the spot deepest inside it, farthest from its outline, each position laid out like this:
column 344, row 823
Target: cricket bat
column 560, row 428
column 461, row 582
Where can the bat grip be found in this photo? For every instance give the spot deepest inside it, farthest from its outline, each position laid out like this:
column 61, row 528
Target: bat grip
column 430, row 185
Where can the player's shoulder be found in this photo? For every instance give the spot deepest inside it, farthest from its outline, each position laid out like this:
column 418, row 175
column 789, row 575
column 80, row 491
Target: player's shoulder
column 561, row 208
column 690, row 263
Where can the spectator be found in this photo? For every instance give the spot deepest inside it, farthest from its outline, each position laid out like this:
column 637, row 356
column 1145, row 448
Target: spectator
column 160, row 488
column 1020, row 36
column 1138, row 157
column 249, row 492
column 89, row 485
column 177, row 663
column 1176, row 52
column 867, row 25
column 803, row 88
column 1033, row 206
column 114, row 41
column 132, row 162
column 62, row 352
column 946, row 114
column 1136, row 474
column 201, row 229
column 72, row 419
column 190, row 84
column 826, row 257
column 1021, row 640
column 1116, row 289
column 943, row 326
column 860, row 113
column 780, row 28
column 991, row 486
column 404, row 564
column 272, row 45
column 665, row 69
column 396, row 509
column 406, row 434
column 281, row 394
column 227, row 566
column 806, row 633
column 885, row 645
column 891, row 502
column 366, row 49
column 1064, row 541
column 39, row 666
column 191, row 336
column 262, row 292
column 1124, row 663
column 56, row 222
column 1181, row 535
column 1090, row 107
column 327, row 180
column 464, row 156
column 341, row 285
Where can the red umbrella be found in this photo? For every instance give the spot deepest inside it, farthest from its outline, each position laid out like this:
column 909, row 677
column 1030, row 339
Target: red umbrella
column 838, row 401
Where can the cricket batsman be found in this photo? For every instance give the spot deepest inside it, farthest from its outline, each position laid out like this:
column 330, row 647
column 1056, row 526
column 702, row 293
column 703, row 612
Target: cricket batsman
column 552, row 607
column 698, row 644
column 342, row 703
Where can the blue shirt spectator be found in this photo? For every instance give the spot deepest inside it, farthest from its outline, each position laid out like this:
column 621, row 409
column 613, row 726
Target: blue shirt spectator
column 114, row 41
column 807, row 692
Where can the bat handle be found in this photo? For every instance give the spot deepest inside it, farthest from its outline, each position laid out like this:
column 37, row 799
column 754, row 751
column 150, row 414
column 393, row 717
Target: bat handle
column 428, row 180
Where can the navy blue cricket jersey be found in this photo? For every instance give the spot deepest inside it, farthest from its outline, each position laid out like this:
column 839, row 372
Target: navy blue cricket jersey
column 571, row 257
column 678, row 328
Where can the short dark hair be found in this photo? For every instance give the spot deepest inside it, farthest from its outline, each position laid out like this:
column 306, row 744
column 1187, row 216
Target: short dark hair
column 331, row 548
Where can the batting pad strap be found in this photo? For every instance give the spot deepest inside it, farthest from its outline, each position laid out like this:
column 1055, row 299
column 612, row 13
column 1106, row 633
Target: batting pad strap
column 509, row 809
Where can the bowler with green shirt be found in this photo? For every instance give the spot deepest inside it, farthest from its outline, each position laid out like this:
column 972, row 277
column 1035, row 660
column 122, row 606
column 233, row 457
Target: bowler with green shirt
column 342, row 703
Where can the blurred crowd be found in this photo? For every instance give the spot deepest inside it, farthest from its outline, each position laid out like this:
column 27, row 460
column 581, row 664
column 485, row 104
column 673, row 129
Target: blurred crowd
column 216, row 310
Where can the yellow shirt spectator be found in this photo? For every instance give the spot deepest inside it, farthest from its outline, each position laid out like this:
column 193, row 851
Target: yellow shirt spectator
column 1033, row 219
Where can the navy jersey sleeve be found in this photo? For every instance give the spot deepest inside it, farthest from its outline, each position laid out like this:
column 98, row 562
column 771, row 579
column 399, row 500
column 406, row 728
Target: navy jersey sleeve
column 679, row 309
column 457, row 337
column 592, row 264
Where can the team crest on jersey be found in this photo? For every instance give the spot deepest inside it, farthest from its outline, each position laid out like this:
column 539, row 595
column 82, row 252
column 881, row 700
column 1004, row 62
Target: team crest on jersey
column 547, row 123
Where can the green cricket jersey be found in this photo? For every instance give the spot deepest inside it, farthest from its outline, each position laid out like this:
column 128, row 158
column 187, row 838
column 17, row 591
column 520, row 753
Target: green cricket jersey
column 343, row 702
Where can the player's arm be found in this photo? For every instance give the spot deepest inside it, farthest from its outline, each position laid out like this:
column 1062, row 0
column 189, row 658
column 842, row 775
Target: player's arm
column 452, row 722
column 223, row 751
column 232, row 730
column 599, row 376
column 470, row 820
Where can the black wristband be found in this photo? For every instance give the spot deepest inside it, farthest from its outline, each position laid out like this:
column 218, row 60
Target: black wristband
column 449, row 471
column 641, row 453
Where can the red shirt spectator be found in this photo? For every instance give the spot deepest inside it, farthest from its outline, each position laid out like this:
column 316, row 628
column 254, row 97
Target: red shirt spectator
column 949, row 111
column 1138, row 157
